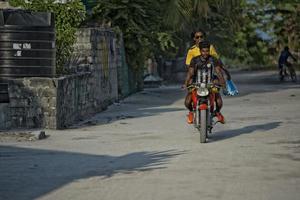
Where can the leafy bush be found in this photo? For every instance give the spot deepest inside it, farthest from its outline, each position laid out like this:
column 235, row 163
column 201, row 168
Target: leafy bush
column 68, row 16
column 141, row 24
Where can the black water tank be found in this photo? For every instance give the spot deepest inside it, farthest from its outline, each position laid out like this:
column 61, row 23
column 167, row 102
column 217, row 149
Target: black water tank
column 27, row 44
column 4, row 98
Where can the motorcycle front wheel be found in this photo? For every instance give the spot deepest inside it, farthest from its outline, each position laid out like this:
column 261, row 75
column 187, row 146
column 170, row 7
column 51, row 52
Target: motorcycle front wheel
column 203, row 126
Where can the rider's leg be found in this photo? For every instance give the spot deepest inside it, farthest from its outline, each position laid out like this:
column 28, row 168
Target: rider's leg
column 219, row 102
column 281, row 73
column 189, row 106
column 188, row 101
column 218, row 98
column 219, row 105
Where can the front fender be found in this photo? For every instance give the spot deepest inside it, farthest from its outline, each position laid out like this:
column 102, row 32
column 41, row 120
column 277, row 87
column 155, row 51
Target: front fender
column 203, row 106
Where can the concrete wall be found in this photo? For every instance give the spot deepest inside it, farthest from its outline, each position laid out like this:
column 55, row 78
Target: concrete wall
column 59, row 102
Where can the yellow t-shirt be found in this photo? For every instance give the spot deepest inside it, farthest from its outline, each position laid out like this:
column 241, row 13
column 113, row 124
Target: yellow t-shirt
column 195, row 51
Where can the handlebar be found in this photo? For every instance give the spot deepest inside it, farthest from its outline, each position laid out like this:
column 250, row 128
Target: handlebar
column 195, row 85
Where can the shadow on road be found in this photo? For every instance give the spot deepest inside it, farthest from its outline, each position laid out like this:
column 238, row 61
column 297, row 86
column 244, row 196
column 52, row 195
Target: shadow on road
column 245, row 130
column 151, row 102
column 143, row 104
column 249, row 82
column 31, row 173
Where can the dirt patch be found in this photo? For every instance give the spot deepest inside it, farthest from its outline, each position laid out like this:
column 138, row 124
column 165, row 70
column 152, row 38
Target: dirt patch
column 16, row 136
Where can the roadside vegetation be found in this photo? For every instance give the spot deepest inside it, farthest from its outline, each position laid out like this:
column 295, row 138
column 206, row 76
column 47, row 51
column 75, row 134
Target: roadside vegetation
column 245, row 33
column 68, row 17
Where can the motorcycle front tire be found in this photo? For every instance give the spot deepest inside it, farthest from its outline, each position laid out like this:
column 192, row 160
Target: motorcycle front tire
column 203, row 126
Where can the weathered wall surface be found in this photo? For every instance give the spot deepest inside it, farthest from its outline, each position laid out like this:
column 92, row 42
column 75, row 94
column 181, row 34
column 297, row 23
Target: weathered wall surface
column 59, row 102
column 32, row 102
column 5, row 119
column 95, row 54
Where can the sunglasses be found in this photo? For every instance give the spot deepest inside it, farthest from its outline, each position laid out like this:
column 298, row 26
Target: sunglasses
column 199, row 36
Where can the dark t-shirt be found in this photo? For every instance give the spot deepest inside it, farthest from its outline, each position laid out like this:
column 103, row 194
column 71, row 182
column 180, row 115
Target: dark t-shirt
column 199, row 61
column 284, row 55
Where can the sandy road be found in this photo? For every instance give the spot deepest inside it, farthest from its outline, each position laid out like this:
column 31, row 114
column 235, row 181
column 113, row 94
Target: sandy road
column 143, row 149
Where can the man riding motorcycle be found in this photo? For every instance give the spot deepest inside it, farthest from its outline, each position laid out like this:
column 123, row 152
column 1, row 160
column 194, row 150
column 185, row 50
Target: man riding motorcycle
column 218, row 79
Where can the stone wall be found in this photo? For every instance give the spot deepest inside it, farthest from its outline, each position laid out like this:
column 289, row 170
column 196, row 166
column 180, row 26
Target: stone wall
column 60, row 102
column 5, row 118
column 95, row 52
column 79, row 96
column 123, row 70
column 32, row 102
column 100, row 50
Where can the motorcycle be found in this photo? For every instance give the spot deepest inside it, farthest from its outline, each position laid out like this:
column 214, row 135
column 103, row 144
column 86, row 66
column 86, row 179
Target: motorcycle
column 203, row 101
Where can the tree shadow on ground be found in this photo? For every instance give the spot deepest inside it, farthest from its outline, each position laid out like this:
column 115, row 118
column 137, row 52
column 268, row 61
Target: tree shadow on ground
column 222, row 135
column 31, row 173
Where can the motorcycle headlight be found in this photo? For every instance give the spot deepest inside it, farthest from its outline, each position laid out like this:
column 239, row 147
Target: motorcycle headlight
column 202, row 92
column 202, row 85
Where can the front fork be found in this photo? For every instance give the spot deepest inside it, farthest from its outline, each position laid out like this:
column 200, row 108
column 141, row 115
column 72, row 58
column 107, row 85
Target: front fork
column 207, row 104
column 203, row 103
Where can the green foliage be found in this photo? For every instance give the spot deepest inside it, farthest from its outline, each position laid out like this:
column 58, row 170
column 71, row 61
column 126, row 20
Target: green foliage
column 249, row 47
column 68, row 16
column 284, row 20
column 280, row 20
column 141, row 25
column 232, row 25
column 216, row 17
